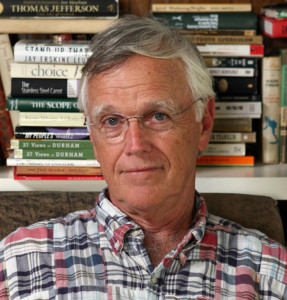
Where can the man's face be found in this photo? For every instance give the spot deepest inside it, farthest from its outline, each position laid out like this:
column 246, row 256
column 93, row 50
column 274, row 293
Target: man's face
column 146, row 171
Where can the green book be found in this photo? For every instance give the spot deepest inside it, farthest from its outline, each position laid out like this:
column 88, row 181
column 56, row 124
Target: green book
column 51, row 144
column 210, row 21
column 53, row 154
column 42, row 104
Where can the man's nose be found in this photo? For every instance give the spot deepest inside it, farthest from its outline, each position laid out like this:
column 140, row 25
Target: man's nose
column 137, row 139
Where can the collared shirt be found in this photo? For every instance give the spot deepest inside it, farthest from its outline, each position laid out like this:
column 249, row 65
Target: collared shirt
column 99, row 254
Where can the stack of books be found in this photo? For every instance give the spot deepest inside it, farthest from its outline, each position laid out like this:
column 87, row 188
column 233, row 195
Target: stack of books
column 226, row 36
column 51, row 140
column 273, row 25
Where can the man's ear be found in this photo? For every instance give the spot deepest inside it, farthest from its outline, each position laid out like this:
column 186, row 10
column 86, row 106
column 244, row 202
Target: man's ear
column 206, row 124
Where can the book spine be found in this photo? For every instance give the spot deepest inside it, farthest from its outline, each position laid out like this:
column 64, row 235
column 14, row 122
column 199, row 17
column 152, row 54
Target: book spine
column 11, row 162
column 231, row 50
column 229, row 85
column 274, row 28
column 215, row 20
column 235, row 98
column 230, row 108
column 46, row 170
column 6, row 58
column 47, row 88
column 56, row 8
column 283, row 135
column 231, row 125
column 239, row 32
column 46, row 71
column 51, row 144
column 225, row 161
column 224, row 149
column 231, row 62
column 45, row 53
column 54, row 154
column 206, row 7
column 51, row 119
column 51, row 133
column 224, row 39
column 232, row 72
column 42, row 104
column 271, row 83
column 233, row 137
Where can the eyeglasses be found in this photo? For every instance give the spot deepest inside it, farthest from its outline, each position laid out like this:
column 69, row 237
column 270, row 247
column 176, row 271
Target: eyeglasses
column 113, row 126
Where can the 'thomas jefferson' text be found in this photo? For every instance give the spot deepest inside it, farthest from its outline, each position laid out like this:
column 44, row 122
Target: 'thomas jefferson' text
column 55, row 8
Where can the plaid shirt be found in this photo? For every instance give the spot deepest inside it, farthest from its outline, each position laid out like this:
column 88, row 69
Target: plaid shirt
column 99, row 254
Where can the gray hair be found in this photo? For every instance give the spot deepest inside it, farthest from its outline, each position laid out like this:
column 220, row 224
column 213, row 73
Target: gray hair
column 132, row 35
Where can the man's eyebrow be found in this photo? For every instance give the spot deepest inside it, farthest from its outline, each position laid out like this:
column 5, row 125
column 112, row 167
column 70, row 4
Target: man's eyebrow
column 154, row 104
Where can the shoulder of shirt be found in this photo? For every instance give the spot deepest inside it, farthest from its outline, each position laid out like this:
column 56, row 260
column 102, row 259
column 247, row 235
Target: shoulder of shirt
column 41, row 234
column 272, row 255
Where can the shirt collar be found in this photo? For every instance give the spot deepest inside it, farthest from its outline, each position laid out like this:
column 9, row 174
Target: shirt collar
column 116, row 224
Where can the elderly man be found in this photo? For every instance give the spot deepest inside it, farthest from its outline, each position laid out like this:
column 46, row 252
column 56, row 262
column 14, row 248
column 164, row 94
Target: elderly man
column 149, row 106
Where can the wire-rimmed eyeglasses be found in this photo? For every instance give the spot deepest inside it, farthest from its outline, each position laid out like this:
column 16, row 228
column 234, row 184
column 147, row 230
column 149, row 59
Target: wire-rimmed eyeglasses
column 113, row 126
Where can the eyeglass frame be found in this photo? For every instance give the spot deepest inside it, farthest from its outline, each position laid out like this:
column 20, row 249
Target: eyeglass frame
column 127, row 119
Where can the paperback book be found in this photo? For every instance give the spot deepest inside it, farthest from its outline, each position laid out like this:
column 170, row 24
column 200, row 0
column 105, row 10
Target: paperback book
column 48, row 51
column 231, row 62
column 233, row 137
column 224, row 85
column 225, row 161
column 225, row 149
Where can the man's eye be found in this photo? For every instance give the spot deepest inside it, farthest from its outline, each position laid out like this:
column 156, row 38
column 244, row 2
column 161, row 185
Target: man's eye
column 111, row 121
column 159, row 116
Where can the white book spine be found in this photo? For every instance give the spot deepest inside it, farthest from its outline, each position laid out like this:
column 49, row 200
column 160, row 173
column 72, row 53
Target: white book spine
column 224, row 149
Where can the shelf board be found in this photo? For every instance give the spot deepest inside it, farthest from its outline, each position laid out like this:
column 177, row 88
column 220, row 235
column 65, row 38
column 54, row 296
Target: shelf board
column 268, row 180
column 22, row 25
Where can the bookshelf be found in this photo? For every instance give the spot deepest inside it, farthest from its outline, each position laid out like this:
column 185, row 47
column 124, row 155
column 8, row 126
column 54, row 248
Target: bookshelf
column 269, row 180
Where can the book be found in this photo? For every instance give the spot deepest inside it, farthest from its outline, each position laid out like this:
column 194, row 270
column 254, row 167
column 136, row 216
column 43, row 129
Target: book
column 47, row 88
column 65, row 133
column 52, row 119
column 54, row 153
column 58, row 8
column 48, row 51
column 233, row 137
column 42, row 104
column 225, row 149
column 231, row 50
column 11, row 162
column 223, row 39
column 46, row 71
column 232, row 125
column 229, row 32
column 225, row 161
column 277, row 11
column 235, row 98
column 56, row 177
column 63, row 171
column 232, row 72
column 6, row 129
column 231, row 62
column 238, row 108
column 283, row 110
column 273, row 28
column 45, row 26
column 212, row 20
column 224, row 85
column 197, row 7
column 50, row 144
column 6, row 58
column 271, row 89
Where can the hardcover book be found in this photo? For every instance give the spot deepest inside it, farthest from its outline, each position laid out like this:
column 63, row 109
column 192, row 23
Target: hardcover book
column 233, row 72
column 238, row 108
column 197, row 7
column 58, row 8
column 233, row 137
column 235, row 85
column 46, row 71
column 209, row 32
column 42, row 104
column 232, row 125
column 225, row 161
column 274, row 28
column 46, row 88
column 271, row 89
column 225, row 149
column 231, row 62
column 48, row 51
column 207, row 21
column 277, row 11
column 63, row 133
